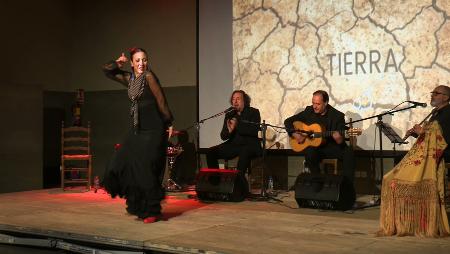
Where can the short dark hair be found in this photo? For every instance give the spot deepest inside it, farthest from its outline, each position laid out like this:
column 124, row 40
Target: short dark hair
column 247, row 98
column 324, row 95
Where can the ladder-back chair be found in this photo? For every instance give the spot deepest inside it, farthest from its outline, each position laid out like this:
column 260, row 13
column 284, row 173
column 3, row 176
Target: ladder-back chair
column 76, row 157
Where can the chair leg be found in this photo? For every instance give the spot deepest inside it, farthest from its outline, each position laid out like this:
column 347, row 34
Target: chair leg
column 249, row 179
column 89, row 174
column 61, row 168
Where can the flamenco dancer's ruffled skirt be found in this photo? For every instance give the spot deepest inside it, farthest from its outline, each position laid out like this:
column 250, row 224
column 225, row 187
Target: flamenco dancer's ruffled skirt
column 136, row 170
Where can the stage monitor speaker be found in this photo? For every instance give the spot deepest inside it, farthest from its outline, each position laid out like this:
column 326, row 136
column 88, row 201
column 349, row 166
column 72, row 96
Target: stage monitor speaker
column 221, row 184
column 333, row 192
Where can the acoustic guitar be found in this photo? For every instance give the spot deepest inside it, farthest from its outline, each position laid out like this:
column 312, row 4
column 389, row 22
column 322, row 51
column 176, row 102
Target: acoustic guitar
column 316, row 135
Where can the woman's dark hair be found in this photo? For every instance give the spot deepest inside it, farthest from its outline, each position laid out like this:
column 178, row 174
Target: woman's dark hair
column 246, row 97
column 135, row 50
column 324, row 95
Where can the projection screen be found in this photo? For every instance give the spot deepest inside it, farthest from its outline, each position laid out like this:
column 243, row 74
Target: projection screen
column 370, row 56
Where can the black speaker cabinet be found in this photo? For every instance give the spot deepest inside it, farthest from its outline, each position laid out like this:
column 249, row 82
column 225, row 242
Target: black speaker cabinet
column 221, row 184
column 324, row 192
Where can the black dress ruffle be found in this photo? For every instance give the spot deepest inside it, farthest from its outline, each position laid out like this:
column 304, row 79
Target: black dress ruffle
column 135, row 172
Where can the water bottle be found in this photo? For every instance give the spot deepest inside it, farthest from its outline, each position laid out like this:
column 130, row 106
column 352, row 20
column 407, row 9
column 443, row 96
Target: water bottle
column 270, row 185
column 306, row 168
column 96, row 184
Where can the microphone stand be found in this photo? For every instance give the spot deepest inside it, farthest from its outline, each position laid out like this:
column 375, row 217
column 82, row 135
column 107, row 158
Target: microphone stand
column 197, row 132
column 379, row 124
column 264, row 196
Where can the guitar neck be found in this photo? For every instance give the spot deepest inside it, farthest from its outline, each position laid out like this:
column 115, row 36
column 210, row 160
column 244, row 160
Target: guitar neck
column 327, row 134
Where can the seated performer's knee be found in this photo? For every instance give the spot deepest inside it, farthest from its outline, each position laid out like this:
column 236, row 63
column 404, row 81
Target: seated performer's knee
column 311, row 153
column 211, row 158
column 312, row 159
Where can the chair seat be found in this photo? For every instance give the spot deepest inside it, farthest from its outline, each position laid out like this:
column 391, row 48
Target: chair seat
column 77, row 156
column 77, row 181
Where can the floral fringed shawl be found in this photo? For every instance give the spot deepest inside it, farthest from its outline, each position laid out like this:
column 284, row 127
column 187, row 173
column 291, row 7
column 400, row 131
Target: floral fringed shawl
column 412, row 193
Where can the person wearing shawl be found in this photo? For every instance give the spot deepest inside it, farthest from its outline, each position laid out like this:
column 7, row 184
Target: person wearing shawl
column 136, row 169
column 412, row 193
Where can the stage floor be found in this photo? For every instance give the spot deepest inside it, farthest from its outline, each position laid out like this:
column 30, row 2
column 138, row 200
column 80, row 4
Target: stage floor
column 193, row 226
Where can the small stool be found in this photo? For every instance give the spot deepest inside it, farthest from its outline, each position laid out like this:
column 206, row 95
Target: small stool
column 255, row 173
column 255, row 165
column 333, row 163
column 231, row 163
column 324, row 164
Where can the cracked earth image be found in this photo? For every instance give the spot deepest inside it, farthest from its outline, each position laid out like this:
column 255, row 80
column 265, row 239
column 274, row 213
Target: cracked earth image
column 368, row 55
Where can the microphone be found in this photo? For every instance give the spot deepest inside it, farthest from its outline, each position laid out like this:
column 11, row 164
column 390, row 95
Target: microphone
column 229, row 109
column 421, row 104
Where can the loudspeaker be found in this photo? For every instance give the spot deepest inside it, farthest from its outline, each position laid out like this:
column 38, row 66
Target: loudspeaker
column 221, row 184
column 334, row 192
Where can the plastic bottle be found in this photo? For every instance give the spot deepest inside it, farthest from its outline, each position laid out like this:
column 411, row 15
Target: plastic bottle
column 270, row 185
column 306, row 168
column 96, row 184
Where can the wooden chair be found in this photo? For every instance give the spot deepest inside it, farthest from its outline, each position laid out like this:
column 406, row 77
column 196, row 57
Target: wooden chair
column 255, row 165
column 76, row 157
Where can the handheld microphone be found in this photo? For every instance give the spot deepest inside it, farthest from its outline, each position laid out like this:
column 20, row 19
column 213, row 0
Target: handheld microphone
column 229, row 110
column 421, row 104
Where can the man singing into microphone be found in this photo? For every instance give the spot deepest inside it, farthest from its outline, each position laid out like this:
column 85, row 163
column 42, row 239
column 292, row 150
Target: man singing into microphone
column 240, row 133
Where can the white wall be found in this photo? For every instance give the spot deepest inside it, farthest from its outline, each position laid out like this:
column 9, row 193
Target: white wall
column 215, row 66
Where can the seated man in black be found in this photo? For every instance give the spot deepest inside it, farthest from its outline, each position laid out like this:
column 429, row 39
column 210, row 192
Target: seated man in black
column 334, row 147
column 240, row 132
column 440, row 98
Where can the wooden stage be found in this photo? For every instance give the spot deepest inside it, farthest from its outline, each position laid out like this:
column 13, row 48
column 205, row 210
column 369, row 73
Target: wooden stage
column 192, row 226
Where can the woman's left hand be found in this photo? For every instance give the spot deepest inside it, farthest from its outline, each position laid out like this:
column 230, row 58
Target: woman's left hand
column 170, row 131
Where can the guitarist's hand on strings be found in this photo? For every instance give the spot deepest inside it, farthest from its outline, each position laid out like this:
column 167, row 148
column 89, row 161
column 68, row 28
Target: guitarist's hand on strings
column 299, row 137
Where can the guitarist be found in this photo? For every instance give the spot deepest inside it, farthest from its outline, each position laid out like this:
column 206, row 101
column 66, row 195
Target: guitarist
column 334, row 147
